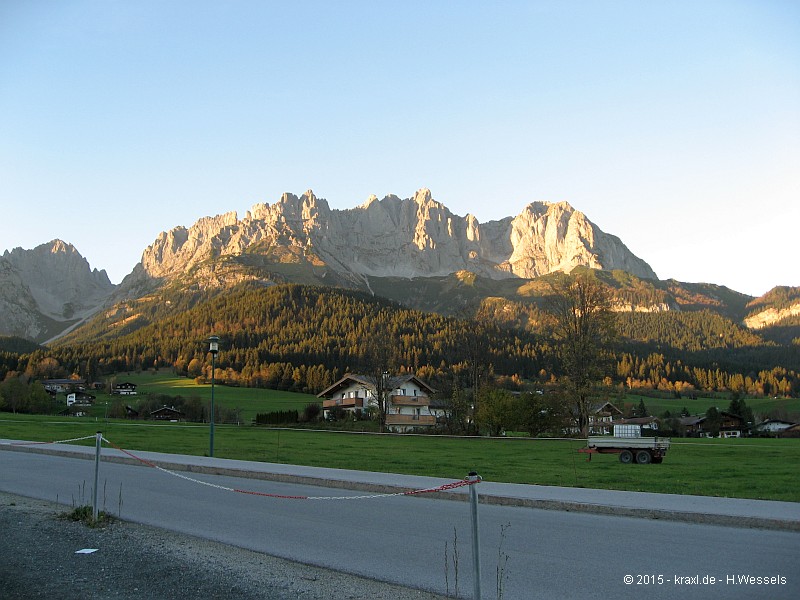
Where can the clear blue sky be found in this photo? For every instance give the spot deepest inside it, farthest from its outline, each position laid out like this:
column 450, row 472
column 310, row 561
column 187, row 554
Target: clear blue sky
column 673, row 125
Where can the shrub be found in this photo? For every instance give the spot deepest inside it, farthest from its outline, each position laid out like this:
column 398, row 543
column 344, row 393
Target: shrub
column 311, row 412
column 278, row 417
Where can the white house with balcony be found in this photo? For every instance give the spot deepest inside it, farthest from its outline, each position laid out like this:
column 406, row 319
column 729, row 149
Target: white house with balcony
column 408, row 406
column 773, row 426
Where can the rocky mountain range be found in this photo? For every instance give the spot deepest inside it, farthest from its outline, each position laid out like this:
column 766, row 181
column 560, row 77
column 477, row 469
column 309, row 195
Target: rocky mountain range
column 46, row 291
column 393, row 237
column 380, row 247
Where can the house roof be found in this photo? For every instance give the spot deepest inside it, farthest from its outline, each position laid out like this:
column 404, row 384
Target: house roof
column 166, row 409
column 401, row 379
column 369, row 382
column 605, row 407
column 780, row 421
column 346, row 382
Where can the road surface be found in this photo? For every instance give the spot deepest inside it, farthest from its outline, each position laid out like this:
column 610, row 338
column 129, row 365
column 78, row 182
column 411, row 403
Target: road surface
column 425, row 543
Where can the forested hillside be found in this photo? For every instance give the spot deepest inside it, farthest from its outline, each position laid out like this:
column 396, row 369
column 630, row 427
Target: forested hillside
column 777, row 298
column 303, row 338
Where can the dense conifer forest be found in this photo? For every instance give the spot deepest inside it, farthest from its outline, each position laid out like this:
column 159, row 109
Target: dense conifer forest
column 303, row 338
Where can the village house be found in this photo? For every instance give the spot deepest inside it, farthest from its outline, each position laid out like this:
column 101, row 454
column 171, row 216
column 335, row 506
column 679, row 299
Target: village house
column 80, row 399
column 602, row 417
column 166, row 413
column 730, row 425
column 773, row 426
column 408, row 407
column 59, row 386
column 124, row 389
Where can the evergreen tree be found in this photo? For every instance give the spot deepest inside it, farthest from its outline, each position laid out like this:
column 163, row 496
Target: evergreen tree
column 713, row 421
column 641, row 409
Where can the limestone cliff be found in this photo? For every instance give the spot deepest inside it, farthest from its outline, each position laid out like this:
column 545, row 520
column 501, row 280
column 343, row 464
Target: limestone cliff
column 45, row 290
column 392, row 237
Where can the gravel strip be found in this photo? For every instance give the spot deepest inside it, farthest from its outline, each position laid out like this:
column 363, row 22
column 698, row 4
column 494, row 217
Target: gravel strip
column 38, row 548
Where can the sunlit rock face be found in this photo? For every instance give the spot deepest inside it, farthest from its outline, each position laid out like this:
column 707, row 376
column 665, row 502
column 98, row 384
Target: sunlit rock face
column 393, row 237
column 770, row 316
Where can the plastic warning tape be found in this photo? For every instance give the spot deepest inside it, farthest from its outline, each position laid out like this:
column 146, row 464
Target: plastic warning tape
column 442, row 488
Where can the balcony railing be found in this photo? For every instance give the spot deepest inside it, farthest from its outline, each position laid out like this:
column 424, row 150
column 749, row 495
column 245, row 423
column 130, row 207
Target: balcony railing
column 343, row 402
column 410, row 400
column 412, row 420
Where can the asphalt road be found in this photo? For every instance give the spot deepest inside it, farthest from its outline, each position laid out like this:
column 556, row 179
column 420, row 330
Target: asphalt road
column 409, row 540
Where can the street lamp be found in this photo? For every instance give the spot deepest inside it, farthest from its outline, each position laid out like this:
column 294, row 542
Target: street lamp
column 384, row 399
column 213, row 348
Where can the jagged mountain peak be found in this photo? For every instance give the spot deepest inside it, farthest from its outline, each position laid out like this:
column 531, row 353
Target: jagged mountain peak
column 373, row 199
column 393, row 237
column 54, row 255
column 58, row 247
column 423, row 196
column 45, row 289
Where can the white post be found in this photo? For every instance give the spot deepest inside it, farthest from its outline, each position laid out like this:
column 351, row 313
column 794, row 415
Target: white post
column 476, row 547
column 99, row 441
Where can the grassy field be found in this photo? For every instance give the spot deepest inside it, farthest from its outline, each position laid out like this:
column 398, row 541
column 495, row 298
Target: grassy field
column 251, row 401
column 256, row 400
column 743, row 468
column 698, row 406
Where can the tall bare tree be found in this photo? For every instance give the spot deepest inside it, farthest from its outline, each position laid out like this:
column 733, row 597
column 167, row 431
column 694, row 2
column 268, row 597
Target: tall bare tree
column 583, row 325
column 378, row 362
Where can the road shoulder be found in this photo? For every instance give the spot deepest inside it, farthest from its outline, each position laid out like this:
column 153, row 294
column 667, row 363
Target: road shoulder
column 135, row 561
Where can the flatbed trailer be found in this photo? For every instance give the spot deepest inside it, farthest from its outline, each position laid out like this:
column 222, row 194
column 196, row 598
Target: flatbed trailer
column 642, row 450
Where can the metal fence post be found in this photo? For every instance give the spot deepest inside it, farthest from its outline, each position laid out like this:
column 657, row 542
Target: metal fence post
column 99, row 440
column 476, row 547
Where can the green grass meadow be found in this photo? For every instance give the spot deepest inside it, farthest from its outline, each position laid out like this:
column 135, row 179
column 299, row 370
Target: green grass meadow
column 698, row 406
column 743, row 468
column 250, row 401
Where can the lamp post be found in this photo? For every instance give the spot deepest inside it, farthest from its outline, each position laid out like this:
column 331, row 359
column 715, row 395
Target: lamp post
column 213, row 348
column 385, row 398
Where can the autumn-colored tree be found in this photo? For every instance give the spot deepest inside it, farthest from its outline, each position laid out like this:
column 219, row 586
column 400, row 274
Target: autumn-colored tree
column 582, row 325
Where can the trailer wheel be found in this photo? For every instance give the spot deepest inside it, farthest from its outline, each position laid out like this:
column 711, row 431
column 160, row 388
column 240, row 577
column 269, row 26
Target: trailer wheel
column 626, row 457
column 643, row 457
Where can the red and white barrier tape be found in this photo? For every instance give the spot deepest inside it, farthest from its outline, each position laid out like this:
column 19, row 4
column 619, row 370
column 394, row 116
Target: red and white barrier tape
column 442, row 488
